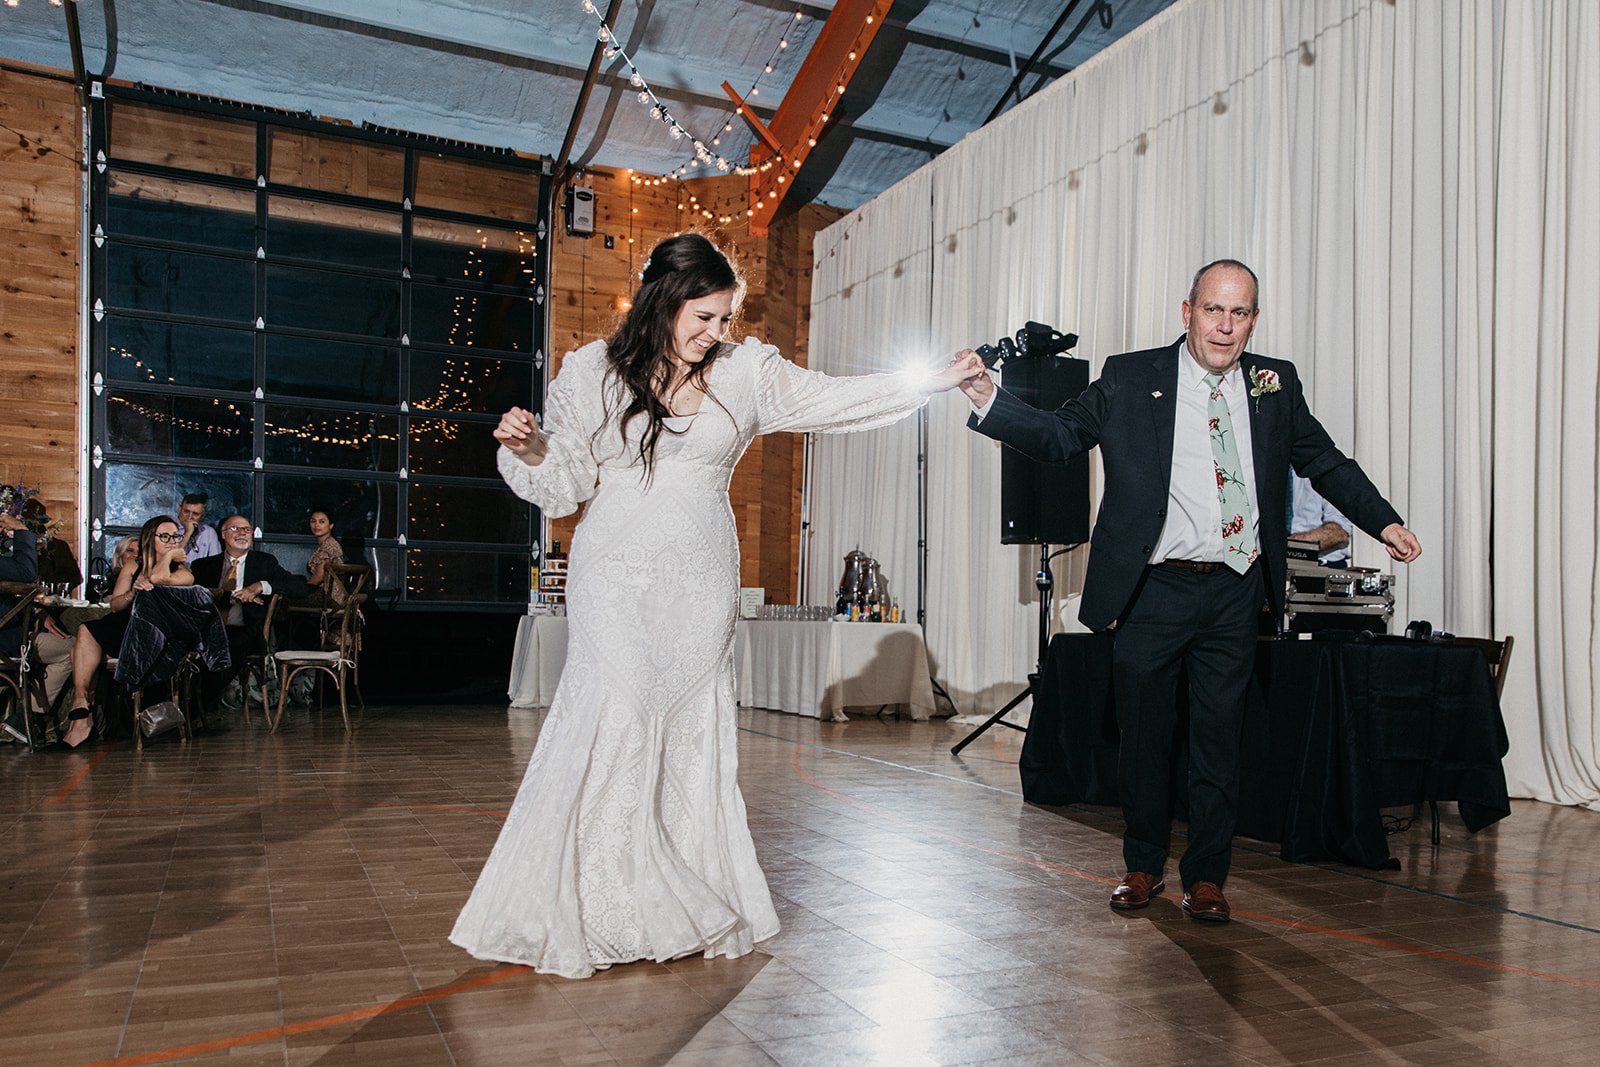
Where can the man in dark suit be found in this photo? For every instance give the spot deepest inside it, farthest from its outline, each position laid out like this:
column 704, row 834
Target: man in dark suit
column 243, row 580
column 1196, row 439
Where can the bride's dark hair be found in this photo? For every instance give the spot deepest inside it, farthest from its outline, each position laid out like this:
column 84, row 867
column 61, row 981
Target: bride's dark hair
column 684, row 267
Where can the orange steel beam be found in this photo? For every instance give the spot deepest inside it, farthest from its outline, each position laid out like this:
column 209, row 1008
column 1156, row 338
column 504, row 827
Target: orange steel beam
column 807, row 107
column 749, row 115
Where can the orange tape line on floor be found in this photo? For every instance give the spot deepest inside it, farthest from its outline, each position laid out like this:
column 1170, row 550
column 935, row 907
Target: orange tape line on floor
column 325, row 1022
column 77, row 779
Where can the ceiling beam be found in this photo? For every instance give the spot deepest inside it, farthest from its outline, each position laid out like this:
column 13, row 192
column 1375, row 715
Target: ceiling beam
column 932, row 29
column 809, row 103
column 564, row 160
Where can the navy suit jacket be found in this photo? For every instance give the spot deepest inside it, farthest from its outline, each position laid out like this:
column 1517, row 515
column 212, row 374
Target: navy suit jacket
column 21, row 566
column 1130, row 412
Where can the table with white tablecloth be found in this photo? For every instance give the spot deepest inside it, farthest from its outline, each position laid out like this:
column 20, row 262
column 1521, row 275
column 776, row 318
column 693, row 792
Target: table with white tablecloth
column 806, row 668
column 537, row 659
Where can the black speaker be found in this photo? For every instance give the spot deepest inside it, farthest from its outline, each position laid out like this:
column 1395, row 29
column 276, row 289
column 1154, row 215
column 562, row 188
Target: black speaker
column 1044, row 503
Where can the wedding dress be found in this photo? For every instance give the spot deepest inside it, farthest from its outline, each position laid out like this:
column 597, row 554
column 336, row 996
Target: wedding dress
column 628, row 838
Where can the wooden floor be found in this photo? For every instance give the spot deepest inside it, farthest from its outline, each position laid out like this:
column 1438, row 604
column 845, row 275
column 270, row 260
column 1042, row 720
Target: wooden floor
column 285, row 899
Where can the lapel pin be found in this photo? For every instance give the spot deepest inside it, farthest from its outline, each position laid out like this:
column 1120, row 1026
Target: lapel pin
column 1156, row 394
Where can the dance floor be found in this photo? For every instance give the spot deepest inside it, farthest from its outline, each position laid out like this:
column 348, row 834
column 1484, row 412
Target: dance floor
column 253, row 899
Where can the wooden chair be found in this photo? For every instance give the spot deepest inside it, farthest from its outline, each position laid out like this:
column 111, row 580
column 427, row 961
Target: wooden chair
column 259, row 665
column 336, row 658
column 19, row 673
column 1498, row 653
column 184, row 683
column 325, row 614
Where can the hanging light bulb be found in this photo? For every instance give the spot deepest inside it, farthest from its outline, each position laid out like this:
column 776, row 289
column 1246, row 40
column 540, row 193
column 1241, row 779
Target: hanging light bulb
column 644, row 97
column 636, row 79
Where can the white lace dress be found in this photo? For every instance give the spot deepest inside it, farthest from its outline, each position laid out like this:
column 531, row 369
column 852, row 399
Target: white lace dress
column 628, row 838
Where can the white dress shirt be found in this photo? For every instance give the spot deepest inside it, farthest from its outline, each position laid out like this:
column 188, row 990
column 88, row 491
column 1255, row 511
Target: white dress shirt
column 234, row 616
column 1193, row 529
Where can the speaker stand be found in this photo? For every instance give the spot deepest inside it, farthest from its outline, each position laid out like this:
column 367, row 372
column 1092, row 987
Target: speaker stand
column 1044, row 583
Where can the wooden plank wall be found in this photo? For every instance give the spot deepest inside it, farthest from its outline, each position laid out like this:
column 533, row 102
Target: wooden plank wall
column 39, row 215
column 39, row 300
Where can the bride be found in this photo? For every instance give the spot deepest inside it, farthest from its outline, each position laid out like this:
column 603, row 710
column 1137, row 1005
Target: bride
column 628, row 838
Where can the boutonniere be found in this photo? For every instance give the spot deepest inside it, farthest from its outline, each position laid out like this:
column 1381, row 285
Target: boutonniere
column 1264, row 381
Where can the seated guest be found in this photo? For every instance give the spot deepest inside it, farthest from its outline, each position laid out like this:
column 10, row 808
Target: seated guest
column 199, row 540
column 57, row 564
column 126, row 553
column 327, row 551
column 19, row 565
column 52, row 648
column 242, row 580
column 160, row 562
column 1314, row 519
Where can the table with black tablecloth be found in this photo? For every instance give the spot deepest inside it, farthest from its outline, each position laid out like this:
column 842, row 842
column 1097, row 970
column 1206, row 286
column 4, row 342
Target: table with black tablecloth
column 1334, row 730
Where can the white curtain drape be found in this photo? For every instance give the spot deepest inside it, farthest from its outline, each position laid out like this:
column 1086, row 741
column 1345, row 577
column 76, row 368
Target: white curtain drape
column 1417, row 183
column 871, row 289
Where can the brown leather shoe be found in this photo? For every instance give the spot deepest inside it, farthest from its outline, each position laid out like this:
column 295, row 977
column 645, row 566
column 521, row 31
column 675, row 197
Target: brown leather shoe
column 1204, row 901
column 1137, row 890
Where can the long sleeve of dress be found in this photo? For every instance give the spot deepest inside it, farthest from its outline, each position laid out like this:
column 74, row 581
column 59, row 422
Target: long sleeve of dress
column 792, row 398
column 573, row 410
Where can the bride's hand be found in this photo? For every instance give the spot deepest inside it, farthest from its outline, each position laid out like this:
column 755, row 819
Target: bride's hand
column 519, row 431
column 964, row 367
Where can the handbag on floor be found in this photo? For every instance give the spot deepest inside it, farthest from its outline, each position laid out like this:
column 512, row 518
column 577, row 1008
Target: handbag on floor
column 157, row 719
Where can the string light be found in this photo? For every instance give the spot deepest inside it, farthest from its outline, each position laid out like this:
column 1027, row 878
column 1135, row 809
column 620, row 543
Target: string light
column 647, row 95
column 660, row 112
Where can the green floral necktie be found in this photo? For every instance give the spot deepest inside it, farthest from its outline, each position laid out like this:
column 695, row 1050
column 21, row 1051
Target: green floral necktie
column 1238, row 531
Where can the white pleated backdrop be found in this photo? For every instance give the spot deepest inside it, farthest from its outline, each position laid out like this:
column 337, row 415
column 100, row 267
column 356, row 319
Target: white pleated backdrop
column 1417, row 184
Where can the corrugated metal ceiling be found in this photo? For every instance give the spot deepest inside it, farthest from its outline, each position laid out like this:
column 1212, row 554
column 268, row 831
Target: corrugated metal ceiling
column 508, row 73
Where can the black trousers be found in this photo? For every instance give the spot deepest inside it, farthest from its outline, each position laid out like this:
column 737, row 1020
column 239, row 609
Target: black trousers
column 1204, row 624
column 243, row 641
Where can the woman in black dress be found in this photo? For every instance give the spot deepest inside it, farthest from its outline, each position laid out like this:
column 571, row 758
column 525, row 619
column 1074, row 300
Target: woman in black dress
column 160, row 562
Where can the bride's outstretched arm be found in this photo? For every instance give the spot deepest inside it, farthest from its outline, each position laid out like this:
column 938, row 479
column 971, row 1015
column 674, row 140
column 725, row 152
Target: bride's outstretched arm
column 795, row 399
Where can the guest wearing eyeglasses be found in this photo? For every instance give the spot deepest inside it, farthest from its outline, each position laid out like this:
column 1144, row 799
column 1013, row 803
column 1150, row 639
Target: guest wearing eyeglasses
column 243, row 579
column 160, row 563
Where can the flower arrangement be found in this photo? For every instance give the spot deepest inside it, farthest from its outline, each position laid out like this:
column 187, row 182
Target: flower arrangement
column 13, row 498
